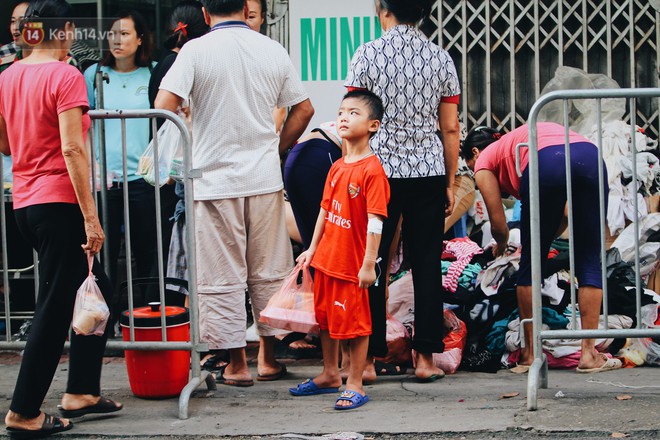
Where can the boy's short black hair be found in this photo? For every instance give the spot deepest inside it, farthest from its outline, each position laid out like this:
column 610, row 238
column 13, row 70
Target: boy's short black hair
column 373, row 102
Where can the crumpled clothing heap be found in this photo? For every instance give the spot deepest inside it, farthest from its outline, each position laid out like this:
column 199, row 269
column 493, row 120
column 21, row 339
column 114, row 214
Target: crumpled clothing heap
column 569, row 362
column 621, row 207
column 649, row 251
column 551, row 289
column 484, row 311
column 463, row 249
column 617, row 147
column 647, row 170
column 564, row 347
column 497, row 271
column 468, row 276
column 498, row 338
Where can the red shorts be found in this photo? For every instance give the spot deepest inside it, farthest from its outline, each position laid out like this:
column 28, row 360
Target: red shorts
column 341, row 307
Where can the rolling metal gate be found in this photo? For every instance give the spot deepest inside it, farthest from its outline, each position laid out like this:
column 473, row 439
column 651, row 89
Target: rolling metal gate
column 507, row 50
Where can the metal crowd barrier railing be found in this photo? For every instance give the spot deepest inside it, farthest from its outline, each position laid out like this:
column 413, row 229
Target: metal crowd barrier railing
column 194, row 345
column 538, row 373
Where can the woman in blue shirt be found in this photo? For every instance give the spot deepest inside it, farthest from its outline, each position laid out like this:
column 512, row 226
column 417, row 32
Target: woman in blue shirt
column 128, row 66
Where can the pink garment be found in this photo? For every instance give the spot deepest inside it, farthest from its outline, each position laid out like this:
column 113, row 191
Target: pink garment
column 31, row 98
column 569, row 362
column 500, row 156
column 463, row 249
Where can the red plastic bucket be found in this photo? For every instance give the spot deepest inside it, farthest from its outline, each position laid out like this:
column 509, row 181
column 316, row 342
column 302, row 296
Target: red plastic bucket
column 162, row 373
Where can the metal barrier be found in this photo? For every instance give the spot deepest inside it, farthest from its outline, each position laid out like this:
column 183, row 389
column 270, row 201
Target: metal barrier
column 538, row 373
column 194, row 345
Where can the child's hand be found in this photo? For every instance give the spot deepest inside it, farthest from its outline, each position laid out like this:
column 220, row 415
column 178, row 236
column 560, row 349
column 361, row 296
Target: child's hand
column 305, row 258
column 366, row 276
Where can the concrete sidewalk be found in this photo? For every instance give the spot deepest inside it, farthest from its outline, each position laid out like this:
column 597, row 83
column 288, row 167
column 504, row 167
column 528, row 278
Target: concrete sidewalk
column 463, row 405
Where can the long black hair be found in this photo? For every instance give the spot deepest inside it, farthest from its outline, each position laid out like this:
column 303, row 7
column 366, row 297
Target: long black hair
column 186, row 23
column 264, row 13
column 408, row 11
column 479, row 138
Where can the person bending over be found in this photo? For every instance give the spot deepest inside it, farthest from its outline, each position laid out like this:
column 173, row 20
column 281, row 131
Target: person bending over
column 493, row 159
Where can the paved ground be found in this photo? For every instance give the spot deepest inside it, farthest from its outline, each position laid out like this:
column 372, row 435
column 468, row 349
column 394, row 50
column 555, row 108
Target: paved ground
column 461, row 406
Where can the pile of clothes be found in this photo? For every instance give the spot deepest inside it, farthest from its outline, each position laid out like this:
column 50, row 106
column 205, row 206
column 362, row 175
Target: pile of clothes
column 481, row 316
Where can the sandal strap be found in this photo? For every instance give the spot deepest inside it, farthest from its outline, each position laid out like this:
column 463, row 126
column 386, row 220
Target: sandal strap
column 51, row 422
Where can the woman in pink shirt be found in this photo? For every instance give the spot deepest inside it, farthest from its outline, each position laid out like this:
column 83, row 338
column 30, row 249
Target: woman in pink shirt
column 43, row 122
column 493, row 159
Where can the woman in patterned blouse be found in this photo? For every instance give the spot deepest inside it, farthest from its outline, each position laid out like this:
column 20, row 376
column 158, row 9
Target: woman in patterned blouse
column 418, row 84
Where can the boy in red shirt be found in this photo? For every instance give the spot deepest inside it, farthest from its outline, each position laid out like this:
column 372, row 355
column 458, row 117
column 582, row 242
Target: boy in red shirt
column 344, row 250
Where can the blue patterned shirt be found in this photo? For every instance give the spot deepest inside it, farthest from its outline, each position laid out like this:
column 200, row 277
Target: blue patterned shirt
column 411, row 75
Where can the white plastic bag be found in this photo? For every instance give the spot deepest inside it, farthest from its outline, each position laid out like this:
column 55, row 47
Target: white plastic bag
column 401, row 299
column 582, row 112
column 90, row 313
column 170, row 147
column 478, row 210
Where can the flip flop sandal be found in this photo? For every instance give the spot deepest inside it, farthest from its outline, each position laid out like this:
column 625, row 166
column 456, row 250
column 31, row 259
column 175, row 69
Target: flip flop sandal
column 211, row 364
column 309, row 388
column 610, row 364
column 520, row 369
column 103, row 406
column 385, row 369
column 51, row 425
column 222, row 380
column 356, row 400
column 275, row 376
column 431, row 378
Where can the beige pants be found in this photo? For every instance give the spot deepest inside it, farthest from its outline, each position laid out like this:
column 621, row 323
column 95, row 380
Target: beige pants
column 241, row 244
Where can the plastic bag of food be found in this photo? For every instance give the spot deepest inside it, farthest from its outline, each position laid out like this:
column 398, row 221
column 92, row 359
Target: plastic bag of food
column 170, row 147
column 90, row 312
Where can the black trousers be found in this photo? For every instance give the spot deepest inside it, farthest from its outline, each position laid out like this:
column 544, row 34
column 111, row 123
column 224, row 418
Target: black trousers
column 142, row 217
column 421, row 202
column 56, row 231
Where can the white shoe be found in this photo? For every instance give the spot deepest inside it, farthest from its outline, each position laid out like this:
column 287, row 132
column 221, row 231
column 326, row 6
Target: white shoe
column 251, row 334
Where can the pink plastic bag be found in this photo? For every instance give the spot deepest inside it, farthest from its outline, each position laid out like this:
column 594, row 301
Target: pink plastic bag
column 292, row 307
column 90, row 312
column 450, row 359
column 398, row 343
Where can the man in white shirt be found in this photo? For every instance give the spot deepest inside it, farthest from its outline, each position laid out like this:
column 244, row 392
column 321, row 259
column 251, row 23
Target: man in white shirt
column 234, row 78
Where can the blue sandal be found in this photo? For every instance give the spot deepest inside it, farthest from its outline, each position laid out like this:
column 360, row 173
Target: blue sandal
column 309, row 388
column 356, row 400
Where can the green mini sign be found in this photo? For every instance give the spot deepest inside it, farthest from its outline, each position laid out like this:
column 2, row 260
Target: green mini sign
column 324, row 36
column 328, row 44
